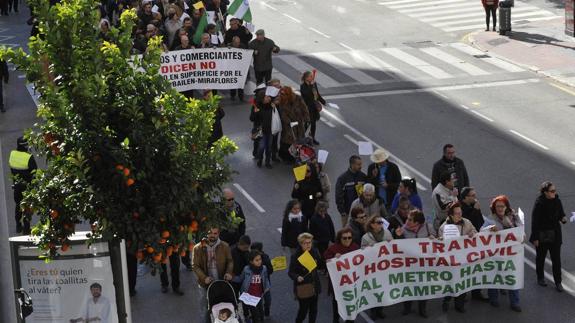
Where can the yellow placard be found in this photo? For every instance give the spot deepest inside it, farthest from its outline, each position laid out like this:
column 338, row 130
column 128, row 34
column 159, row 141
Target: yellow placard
column 359, row 189
column 307, row 261
column 299, row 172
column 198, row 5
column 279, row 263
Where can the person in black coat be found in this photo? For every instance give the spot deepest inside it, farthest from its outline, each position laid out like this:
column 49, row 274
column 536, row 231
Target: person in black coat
column 4, row 76
column 293, row 224
column 233, row 210
column 236, row 29
column 547, row 217
column 312, row 99
column 217, row 130
column 384, row 175
column 256, row 118
column 322, row 228
column 308, row 192
column 301, row 276
column 451, row 164
column 240, row 253
column 269, row 141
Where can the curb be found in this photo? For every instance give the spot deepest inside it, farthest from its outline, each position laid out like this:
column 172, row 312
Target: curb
column 470, row 39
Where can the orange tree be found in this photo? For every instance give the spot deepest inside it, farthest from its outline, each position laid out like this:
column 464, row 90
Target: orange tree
column 125, row 152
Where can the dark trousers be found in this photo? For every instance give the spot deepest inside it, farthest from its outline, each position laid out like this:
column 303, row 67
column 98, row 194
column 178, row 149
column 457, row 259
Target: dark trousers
column 132, row 270
column 555, row 251
column 459, row 300
column 284, row 153
column 493, row 10
column 307, row 305
column 262, row 76
column 3, row 9
column 256, row 312
column 174, row 272
column 335, row 312
column 313, row 127
column 1, row 85
column 267, row 302
column 13, row 4
column 256, row 147
column 322, row 247
column 240, row 93
column 22, row 222
column 186, row 260
column 420, row 305
column 269, row 145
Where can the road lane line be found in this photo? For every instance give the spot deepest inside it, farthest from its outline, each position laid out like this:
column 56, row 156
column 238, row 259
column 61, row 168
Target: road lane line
column 249, row 197
column 430, row 89
column 441, row 94
column 292, row 18
column 528, row 139
column 300, row 65
column 345, row 46
column 327, row 122
column 465, row 107
column 365, row 138
column 482, row 115
column 346, row 68
column 562, row 88
column 350, row 138
column 318, row 32
column 550, row 277
column 267, row 5
column 417, row 63
column 564, row 273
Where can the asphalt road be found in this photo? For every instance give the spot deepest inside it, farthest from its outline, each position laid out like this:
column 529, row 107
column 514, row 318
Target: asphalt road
column 419, row 88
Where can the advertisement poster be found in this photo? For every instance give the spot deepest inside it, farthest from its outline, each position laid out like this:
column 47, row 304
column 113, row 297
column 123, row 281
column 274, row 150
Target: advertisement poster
column 416, row 269
column 209, row 68
column 77, row 287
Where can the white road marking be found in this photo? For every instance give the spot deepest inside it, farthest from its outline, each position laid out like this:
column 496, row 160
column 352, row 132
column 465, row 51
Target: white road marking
column 528, row 139
column 441, row 94
column 21, row 76
column 417, row 63
column 267, row 5
column 292, row 18
column 549, row 276
column 249, row 198
column 491, row 60
column 373, row 62
column 421, row 4
column 454, row 61
column 318, row 32
column 350, row 138
column 565, row 274
column 573, row 162
column 465, row 107
column 345, row 46
column 346, row 68
column 301, row 66
column 472, row 14
column 436, row 6
column 284, row 79
column 431, row 89
column 327, row 122
column 482, row 19
column 442, row 13
column 481, row 115
column 538, row 19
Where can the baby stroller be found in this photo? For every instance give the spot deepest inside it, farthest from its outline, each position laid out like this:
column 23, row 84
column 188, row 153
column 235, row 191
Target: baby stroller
column 221, row 295
column 302, row 150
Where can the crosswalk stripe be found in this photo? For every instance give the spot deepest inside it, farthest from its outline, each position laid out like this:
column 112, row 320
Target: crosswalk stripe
column 444, row 12
column 284, row 79
column 480, row 19
column 396, row 2
column 473, row 14
column 346, row 68
column 374, row 62
column 422, row 3
column 417, row 63
column 466, row 27
column 456, row 62
column 542, row 18
column 300, row 65
column 491, row 60
column 441, row 7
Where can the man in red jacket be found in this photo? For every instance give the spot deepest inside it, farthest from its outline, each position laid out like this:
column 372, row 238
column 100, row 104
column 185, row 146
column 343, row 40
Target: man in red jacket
column 490, row 6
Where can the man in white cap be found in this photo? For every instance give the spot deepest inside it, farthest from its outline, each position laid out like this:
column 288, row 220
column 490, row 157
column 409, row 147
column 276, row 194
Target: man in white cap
column 384, row 175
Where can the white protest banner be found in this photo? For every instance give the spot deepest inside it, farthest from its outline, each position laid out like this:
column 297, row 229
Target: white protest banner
column 417, row 269
column 207, row 68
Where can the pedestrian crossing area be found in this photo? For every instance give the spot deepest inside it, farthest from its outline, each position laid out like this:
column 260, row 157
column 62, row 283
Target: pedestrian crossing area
column 387, row 65
column 461, row 15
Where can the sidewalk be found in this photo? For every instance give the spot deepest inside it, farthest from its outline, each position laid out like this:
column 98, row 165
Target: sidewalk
column 540, row 46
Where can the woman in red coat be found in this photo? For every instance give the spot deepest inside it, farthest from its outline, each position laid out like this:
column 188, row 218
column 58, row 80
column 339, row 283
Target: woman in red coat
column 490, row 6
column 343, row 244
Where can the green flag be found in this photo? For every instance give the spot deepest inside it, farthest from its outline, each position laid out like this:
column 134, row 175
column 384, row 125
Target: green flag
column 241, row 10
column 200, row 29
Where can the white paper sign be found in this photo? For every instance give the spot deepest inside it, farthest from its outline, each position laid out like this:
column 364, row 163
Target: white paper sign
column 211, row 17
column 521, row 215
column 251, row 27
column 450, row 231
column 272, row 91
column 214, row 39
column 322, row 156
column 365, row 148
column 155, row 8
column 487, row 228
column 220, row 37
column 572, row 218
column 249, row 299
column 385, row 223
column 293, row 124
column 333, row 105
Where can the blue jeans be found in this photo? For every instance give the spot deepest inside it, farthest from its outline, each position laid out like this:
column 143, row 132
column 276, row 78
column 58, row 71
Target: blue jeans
column 269, row 145
column 513, row 296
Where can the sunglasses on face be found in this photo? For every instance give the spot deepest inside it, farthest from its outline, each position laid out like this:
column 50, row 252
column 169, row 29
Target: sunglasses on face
column 552, row 191
column 346, row 238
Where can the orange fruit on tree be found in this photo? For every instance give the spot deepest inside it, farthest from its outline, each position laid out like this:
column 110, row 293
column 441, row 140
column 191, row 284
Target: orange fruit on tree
column 126, row 172
column 150, row 249
column 54, row 214
column 119, row 167
column 130, row 182
column 165, row 234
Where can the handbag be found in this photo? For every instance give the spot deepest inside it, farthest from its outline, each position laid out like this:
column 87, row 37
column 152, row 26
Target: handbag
column 547, row 236
column 318, row 106
column 256, row 133
column 305, row 291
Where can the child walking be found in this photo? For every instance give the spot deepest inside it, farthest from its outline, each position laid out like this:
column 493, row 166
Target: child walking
column 256, row 282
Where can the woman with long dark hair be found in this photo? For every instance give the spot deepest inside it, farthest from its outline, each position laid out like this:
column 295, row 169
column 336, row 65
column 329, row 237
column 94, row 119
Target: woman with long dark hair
column 293, row 224
column 407, row 187
column 308, row 191
column 313, row 100
column 546, row 235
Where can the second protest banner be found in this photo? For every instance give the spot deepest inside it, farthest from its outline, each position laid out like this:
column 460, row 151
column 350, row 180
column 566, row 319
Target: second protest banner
column 209, row 68
column 417, row 269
